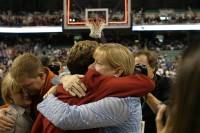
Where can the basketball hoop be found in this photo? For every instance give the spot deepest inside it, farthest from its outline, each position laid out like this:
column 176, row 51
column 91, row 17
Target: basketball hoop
column 96, row 25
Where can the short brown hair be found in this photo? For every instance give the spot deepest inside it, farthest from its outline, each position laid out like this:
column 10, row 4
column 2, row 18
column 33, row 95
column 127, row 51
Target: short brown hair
column 26, row 65
column 80, row 56
column 151, row 57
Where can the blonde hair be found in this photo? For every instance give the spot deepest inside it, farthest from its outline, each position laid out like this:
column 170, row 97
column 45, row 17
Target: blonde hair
column 117, row 55
column 9, row 85
column 26, row 65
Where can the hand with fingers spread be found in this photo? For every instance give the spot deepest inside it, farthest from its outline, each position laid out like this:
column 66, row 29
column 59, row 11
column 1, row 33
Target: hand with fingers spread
column 6, row 123
column 160, row 124
column 73, row 85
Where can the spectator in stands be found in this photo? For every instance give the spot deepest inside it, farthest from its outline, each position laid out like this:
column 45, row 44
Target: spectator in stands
column 19, row 103
column 30, row 18
column 169, row 63
column 158, row 95
column 184, row 110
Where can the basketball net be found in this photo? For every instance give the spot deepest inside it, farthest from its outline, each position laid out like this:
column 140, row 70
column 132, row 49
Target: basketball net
column 96, row 25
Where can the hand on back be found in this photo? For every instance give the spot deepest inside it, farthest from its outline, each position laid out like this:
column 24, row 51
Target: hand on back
column 52, row 90
column 73, row 85
column 6, row 123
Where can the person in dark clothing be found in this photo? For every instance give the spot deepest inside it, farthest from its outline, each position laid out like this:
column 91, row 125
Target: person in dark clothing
column 160, row 94
column 55, row 68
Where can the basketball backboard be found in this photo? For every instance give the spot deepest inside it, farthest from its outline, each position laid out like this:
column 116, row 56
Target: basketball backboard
column 115, row 12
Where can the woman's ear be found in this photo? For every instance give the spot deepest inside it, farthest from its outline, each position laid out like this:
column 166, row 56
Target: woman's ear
column 118, row 72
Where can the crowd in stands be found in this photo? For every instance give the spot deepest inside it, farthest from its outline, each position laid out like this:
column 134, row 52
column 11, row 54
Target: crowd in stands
column 166, row 16
column 160, row 16
column 167, row 59
column 22, row 18
column 9, row 53
column 9, row 18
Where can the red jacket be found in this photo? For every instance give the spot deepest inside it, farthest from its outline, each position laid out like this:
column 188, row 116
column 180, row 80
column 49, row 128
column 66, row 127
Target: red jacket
column 38, row 98
column 98, row 87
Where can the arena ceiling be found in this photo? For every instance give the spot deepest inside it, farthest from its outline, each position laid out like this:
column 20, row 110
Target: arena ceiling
column 43, row 5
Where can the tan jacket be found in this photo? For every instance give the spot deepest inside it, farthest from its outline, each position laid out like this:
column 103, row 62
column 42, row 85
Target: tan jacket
column 23, row 122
